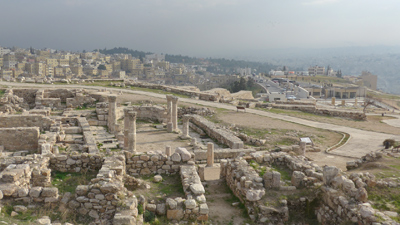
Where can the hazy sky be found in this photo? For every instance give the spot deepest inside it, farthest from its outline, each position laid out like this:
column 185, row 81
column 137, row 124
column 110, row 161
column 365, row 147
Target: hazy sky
column 198, row 27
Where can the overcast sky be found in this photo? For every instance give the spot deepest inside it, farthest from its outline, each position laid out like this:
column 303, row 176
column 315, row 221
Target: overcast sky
column 198, row 27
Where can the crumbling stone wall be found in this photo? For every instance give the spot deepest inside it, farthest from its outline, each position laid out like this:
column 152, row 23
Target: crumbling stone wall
column 194, row 94
column 248, row 186
column 195, row 110
column 80, row 100
column 76, row 162
column 62, row 94
column 370, row 157
column 20, row 138
column 200, row 156
column 319, row 111
column 221, row 135
column 104, row 194
column 9, row 121
column 29, row 96
column 147, row 163
column 90, row 142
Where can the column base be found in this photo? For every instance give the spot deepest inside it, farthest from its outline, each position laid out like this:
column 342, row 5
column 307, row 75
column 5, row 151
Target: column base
column 185, row 137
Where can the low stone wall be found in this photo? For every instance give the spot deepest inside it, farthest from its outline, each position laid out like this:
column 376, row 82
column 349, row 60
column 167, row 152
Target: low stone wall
column 195, row 110
column 40, row 121
column 319, row 111
column 155, row 113
column 296, row 102
column 103, row 195
column 221, row 135
column 195, row 204
column 90, row 142
column 29, row 95
column 200, row 95
column 248, row 186
column 80, row 100
column 20, row 138
column 76, row 162
column 370, row 157
column 201, row 155
column 147, row 163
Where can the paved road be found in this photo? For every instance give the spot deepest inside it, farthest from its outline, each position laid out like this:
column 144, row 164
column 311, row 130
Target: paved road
column 360, row 143
column 393, row 122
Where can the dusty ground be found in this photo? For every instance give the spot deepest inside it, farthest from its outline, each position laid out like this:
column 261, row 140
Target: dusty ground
column 373, row 122
column 276, row 129
column 219, row 201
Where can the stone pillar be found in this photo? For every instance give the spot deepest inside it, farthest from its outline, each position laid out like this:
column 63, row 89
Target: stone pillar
column 303, row 147
column 168, row 151
column 130, row 130
column 112, row 113
column 185, row 128
column 210, row 154
column 355, row 102
column 169, row 108
column 174, row 113
column 333, row 100
column 343, row 102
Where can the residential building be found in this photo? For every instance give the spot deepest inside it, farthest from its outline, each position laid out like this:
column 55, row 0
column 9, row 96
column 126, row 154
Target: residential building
column 369, row 80
column 316, row 71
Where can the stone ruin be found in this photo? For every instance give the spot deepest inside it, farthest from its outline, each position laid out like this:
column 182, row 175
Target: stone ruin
column 32, row 149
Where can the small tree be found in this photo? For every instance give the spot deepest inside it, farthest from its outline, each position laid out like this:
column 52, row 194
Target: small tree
column 101, row 67
column 368, row 101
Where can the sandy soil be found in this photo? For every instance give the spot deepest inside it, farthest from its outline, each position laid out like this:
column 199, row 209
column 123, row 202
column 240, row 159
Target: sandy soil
column 324, row 138
column 219, row 203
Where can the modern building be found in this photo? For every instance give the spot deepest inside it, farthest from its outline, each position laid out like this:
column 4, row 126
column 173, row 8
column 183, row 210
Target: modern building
column 369, row 80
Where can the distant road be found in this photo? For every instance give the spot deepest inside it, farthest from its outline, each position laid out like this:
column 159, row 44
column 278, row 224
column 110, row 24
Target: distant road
column 360, row 143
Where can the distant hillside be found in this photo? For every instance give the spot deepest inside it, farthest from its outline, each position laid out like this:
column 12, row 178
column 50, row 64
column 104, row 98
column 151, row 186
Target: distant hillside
column 120, row 50
column 212, row 65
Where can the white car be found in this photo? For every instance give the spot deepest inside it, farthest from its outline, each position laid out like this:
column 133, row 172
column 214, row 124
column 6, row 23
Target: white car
column 291, row 97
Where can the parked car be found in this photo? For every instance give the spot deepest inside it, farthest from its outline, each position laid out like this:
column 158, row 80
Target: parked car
column 291, row 97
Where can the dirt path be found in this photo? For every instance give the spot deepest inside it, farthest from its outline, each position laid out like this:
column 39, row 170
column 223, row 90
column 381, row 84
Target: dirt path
column 219, row 201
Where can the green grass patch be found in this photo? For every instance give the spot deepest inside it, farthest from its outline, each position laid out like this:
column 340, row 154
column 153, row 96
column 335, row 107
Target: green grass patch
column 67, row 182
column 170, row 186
column 2, row 92
column 385, row 198
column 286, row 174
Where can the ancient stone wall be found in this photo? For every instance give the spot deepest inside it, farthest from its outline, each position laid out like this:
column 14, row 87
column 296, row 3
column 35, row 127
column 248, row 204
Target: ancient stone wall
column 76, row 162
column 155, row 113
column 20, row 138
column 90, row 142
column 221, row 135
column 195, row 94
column 201, row 155
column 195, row 110
column 29, row 95
column 248, row 186
column 319, row 111
column 195, row 204
column 104, row 194
column 147, row 163
column 62, row 94
column 9, row 121
column 80, row 100
column 370, row 157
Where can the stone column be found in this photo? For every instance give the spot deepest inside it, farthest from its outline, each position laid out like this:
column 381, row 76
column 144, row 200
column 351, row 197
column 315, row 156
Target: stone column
column 174, row 113
column 169, row 108
column 130, row 130
column 112, row 113
column 333, row 100
column 168, row 151
column 303, row 147
column 343, row 102
column 169, row 113
column 185, row 128
column 355, row 102
column 210, row 154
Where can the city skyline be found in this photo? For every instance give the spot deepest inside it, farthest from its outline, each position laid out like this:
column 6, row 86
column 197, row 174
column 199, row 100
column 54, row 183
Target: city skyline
column 199, row 28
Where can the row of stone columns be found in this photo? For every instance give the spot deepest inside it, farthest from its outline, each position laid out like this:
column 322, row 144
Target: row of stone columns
column 130, row 129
